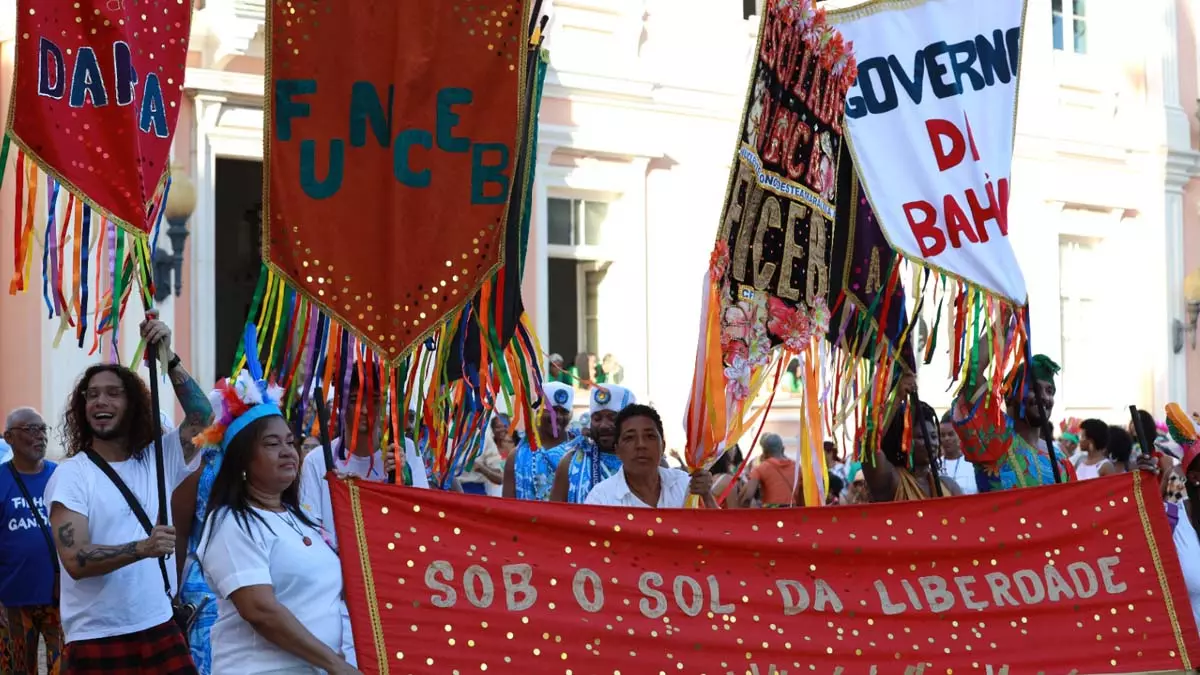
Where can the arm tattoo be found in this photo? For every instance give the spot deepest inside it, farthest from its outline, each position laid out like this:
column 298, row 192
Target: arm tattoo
column 66, row 535
column 102, row 553
column 197, row 411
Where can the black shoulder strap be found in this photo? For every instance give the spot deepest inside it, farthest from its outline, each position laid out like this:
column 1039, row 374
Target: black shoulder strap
column 37, row 513
column 134, row 504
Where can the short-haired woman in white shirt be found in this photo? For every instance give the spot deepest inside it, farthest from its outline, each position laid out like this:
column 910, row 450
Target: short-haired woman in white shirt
column 643, row 482
column 278, row 583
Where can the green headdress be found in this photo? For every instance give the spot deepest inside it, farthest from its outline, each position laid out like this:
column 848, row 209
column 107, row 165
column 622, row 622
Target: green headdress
column 1044, row 369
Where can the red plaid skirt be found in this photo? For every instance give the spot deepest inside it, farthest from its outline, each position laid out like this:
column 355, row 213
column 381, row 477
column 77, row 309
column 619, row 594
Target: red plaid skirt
column 160, row 650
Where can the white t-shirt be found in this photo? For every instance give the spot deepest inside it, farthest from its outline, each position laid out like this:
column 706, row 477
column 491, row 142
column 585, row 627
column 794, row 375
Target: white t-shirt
column 614, row 491
column 314, row 489
column 1188, row 547
column 132, row 598
column 307, row 580
column 962, row 472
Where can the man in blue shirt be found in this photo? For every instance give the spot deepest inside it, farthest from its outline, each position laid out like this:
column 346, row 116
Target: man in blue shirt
column 27, row 570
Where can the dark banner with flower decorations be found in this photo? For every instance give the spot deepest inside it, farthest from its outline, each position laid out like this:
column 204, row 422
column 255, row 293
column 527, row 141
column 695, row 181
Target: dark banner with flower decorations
column 774, row 244
column 1075, row 578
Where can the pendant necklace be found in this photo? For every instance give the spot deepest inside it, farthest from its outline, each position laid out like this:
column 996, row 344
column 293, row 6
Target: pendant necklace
column 292, row 524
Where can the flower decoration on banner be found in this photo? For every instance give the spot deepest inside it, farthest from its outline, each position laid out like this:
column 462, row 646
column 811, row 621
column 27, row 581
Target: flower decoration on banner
column 795, row 328
column 718, row 263
column 231, row 398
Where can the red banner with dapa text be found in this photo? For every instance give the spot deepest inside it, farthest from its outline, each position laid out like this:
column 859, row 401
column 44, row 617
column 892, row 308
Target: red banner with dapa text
column 96, row 95
column 1079, row 577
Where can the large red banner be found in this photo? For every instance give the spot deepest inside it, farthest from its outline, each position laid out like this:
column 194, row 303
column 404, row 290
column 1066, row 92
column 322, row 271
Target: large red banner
column 392, row 128
column 98, row 84
column 1078, row 577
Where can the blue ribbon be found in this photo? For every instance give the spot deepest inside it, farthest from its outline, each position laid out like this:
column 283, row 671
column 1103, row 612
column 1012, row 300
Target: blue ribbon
column 85, row 238
column 162, row 208
column 48, row 243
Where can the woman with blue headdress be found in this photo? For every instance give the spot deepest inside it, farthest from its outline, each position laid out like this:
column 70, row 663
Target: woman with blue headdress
column 529, row 474
column 277, row 580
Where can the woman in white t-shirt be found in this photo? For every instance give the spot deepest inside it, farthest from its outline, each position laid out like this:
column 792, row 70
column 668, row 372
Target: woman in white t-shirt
column 277, row 581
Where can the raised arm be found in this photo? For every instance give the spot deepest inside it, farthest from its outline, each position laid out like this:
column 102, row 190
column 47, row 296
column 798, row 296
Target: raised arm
column 82, row 559
column 880, row 475
column 562, row 479
column 197, row 411
column 508, row 488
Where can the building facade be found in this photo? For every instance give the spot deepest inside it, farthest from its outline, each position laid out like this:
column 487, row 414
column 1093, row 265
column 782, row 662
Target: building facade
column 636, row 138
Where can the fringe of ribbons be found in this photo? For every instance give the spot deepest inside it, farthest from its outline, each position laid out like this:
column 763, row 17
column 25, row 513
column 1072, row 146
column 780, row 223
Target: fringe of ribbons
column 865, row 371
column 90, row 266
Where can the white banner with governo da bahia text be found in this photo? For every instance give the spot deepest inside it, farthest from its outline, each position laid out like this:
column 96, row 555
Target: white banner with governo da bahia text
column 930, row 121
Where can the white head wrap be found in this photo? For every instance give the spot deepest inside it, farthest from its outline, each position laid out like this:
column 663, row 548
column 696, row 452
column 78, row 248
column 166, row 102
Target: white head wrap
column 559, row 395
column 611, row 397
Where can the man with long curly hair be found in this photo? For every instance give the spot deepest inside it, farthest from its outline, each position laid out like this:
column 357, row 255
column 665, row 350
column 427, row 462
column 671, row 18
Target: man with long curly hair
column 115, row 619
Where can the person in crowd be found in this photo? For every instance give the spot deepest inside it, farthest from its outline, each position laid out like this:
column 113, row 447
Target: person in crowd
column 585, row 370
column 836, row 487
column 528, row 474
column 953, row 465
column 365, row 460
column 610, row 371
column 727, row 486
column 556, row 371
column 641, row 481
column 900, row 474
column 6, row 452
column 582, row 425
column 1093, row 440
column 1001, row 434
column 278, row 581
column 484, row 473
column 833, row 462
column 592, row 461
column 114, row 619
column 775, row 474
column 1068, row 439
column 1149, row 426
column 1185, row 523
column 1120, row 449
column 1160, row 441
column 309, row 444
column 858, row 492
column 28, row 563
column 791, row 377
column 190, row 504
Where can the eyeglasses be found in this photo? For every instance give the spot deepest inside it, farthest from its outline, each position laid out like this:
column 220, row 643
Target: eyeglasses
column 94, row 393
column 31, row 428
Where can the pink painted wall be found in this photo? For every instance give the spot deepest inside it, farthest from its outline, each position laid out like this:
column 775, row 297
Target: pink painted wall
column 21, row 341
column 1189, row 91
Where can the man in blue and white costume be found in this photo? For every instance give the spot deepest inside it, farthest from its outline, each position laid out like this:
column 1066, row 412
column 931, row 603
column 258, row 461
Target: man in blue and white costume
column 529, row 474
column 595, row 458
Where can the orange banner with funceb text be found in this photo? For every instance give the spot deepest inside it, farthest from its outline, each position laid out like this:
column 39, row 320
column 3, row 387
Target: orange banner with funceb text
column 1080, row 577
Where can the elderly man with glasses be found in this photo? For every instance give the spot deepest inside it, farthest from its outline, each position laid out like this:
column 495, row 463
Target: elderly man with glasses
column 28, row 569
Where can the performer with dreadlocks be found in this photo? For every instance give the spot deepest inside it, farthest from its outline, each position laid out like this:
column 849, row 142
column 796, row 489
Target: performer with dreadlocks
column 594, row 460
column 900, row 474
column 1001, row 434
column 529, row 474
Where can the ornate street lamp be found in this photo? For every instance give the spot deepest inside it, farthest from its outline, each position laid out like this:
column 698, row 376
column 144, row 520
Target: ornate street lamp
column 168, row 267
